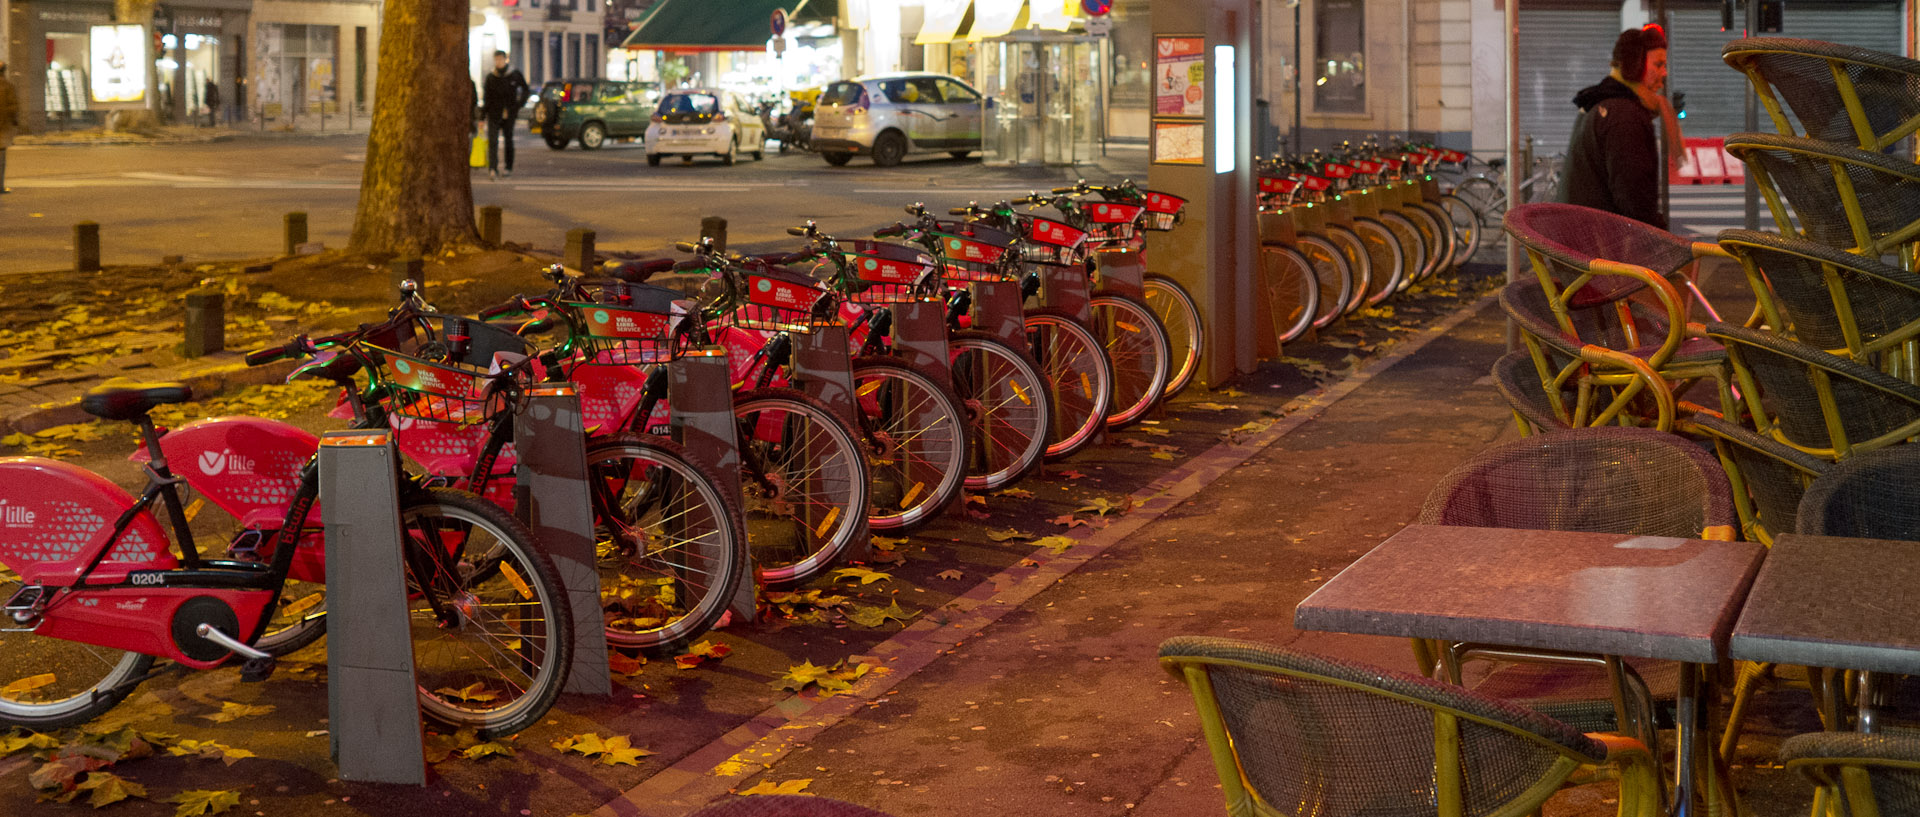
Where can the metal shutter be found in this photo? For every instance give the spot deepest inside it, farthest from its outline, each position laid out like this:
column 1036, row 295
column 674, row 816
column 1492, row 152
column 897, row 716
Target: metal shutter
column 1561, row 52
column 1716, row 94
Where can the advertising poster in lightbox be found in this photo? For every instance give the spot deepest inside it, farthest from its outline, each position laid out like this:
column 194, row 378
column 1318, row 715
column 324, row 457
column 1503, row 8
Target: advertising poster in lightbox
column 119, row 64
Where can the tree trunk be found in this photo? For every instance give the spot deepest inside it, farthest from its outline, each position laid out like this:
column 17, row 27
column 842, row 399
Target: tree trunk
column 415, row 194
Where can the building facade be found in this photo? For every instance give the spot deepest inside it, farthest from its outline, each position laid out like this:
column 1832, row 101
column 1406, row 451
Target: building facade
column 545, row 40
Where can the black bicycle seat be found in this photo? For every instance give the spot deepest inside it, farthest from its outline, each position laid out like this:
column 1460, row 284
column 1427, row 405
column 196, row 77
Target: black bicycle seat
column 1496, row 164
column 121, row 399
column 638, row 271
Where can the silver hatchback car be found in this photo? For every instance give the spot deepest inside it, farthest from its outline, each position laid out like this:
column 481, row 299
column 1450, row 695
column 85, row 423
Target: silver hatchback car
column 888, row 116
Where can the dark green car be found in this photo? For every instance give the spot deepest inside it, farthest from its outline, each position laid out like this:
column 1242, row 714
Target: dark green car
column 592, row 111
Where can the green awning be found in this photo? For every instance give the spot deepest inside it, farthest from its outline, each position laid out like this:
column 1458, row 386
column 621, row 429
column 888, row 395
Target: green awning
column 716, row 25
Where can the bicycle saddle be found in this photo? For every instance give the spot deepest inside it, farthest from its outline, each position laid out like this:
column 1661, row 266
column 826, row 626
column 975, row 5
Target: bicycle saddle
column 122, row 399
column 638, row 271
column 1496, row 164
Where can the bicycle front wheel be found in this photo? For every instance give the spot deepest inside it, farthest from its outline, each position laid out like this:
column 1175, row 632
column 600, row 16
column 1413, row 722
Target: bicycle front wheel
column 1437, row 232
column 1077, row 376
column 1137, row 347
column 804, row 481
column 1466, row 227
column 1291, row 289
column 667, row 542
column 1332, row 275
column 914, row 430
column 1180, row 316
column 1387, row 249
column 47, row 683
column 1008, row 412
column 1489, row 202
column 492, row 635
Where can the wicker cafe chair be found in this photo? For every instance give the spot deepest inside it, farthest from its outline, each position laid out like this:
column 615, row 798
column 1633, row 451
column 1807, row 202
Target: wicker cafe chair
column 1557, row 335
column 1856, row 774
column 1583, row 250
column 1819, row 403
column 1295, row 733
column 1846, row 198
column 1768, row 478
column 1843, row 303
column 1544, row 400
column 1839, row 93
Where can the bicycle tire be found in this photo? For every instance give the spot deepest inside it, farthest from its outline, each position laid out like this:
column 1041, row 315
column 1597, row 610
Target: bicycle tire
column 1413, row 246
column 1333, row 275
column 887, row 393
column 1359, row 265
column 1291, row 290
column 1437, row 231
column 1069, row 354
column 1186, row 329
column 706, row 525
column 1488, row 201
column 1387, row 250
column 534, row 633
column 1008, row 412
column 86, row 680
column 1466, row 227
column 1137, row 347
column 824, row 516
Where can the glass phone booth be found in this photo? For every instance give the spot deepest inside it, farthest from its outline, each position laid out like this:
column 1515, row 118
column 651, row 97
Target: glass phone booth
column 1045, row 98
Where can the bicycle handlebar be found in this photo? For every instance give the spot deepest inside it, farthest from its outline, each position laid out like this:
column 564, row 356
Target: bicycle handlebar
column 686, row 246
column 799, row 232
column 895, row 231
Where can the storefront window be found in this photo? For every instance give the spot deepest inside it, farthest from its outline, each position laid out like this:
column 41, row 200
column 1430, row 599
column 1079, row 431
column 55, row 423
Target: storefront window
column 1130, row 92
column 1340, row 51
column 66, row 75
column 296, row 71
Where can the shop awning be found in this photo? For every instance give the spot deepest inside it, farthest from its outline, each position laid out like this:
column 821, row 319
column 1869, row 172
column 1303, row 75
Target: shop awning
column 715, row 25
column 992, row 18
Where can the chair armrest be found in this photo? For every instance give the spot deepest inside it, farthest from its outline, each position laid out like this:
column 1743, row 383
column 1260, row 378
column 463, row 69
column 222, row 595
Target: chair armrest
column 1663, row 291
column 1709, row 249
column 1645, row 379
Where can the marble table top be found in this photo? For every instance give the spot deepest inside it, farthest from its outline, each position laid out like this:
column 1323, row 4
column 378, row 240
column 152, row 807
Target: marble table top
column 1641, row 596
column 1825, row 601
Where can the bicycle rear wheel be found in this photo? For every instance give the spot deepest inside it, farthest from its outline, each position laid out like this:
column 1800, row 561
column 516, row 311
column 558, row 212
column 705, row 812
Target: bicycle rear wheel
column 1466, row 227
column 1077, row 377
column 1291, row 290
column 1180, row 316
column 914, row 430
column 668, row 543
column 47, row 683
column 1137, row 346
column 1489, row 202
column 1332, row 274
column 492, row 635
column 804, row 482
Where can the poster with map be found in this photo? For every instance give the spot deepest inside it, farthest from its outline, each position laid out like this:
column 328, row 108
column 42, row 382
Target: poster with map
column 1180, row 76
column 1179, row 143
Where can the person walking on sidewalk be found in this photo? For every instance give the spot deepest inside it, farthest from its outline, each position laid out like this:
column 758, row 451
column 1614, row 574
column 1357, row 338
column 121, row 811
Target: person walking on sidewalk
column 9, row 121
column 1613, row 158
column 506, row 90
column 212, row 99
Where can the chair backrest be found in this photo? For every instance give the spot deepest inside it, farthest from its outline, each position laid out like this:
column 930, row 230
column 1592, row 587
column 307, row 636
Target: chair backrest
column 1568, row 319
column 1570, row 237
column 1634, row 481
column 1846, row 198
column 1874, row 495
column 1518, row 380
column 1817, row 402
column 1768, row 478
column 1879, row 773
column 1298, row 733
column 1824, row 297
column 1840, row 93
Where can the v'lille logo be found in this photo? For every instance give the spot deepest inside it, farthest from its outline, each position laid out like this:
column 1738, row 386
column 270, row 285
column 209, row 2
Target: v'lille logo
column 215, row 463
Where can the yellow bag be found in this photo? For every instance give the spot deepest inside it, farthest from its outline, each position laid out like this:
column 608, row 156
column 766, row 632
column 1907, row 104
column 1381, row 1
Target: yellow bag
column 478, row 156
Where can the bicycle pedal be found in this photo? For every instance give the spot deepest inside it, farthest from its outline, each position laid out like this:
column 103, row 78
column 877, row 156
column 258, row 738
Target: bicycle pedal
column 255, row 670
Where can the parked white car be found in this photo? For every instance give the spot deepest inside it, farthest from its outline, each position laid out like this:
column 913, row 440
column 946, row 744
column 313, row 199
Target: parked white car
column 703, row 122
column 891, row 115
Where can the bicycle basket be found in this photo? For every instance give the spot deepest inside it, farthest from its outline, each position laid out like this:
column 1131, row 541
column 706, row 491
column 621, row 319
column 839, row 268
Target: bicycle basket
column 1110, row 222
column 973, row 252
column 892, row 273
column 436, row 392
column 779, row 300
column 1052, row 242
column 629, row 336
column 1164, row 210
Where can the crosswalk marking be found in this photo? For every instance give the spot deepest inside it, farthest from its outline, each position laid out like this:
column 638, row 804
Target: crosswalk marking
column 1705, row 210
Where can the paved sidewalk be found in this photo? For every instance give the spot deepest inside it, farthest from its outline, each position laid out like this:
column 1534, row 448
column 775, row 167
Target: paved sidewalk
column 1059, row 706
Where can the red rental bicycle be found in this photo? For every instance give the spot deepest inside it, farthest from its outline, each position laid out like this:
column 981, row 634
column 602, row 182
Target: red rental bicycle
column 94, row 597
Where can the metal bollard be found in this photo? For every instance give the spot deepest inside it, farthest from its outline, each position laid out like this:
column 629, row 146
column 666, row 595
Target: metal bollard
column 490, row 224
column 206, row 323
column 296, row 224
column 715, row 227
column 86, row 247
column 405, row 269
column 579, row 254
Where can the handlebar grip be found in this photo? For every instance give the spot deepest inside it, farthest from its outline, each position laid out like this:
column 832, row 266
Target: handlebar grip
column 1061, row 191
column 261, row 357
column 891, row 232
column 492, row 312
column 797, row 231
column 686, row 246
column 960, row 211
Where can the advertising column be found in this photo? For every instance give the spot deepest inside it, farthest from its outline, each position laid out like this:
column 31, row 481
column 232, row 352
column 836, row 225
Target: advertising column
column 1200, row 150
